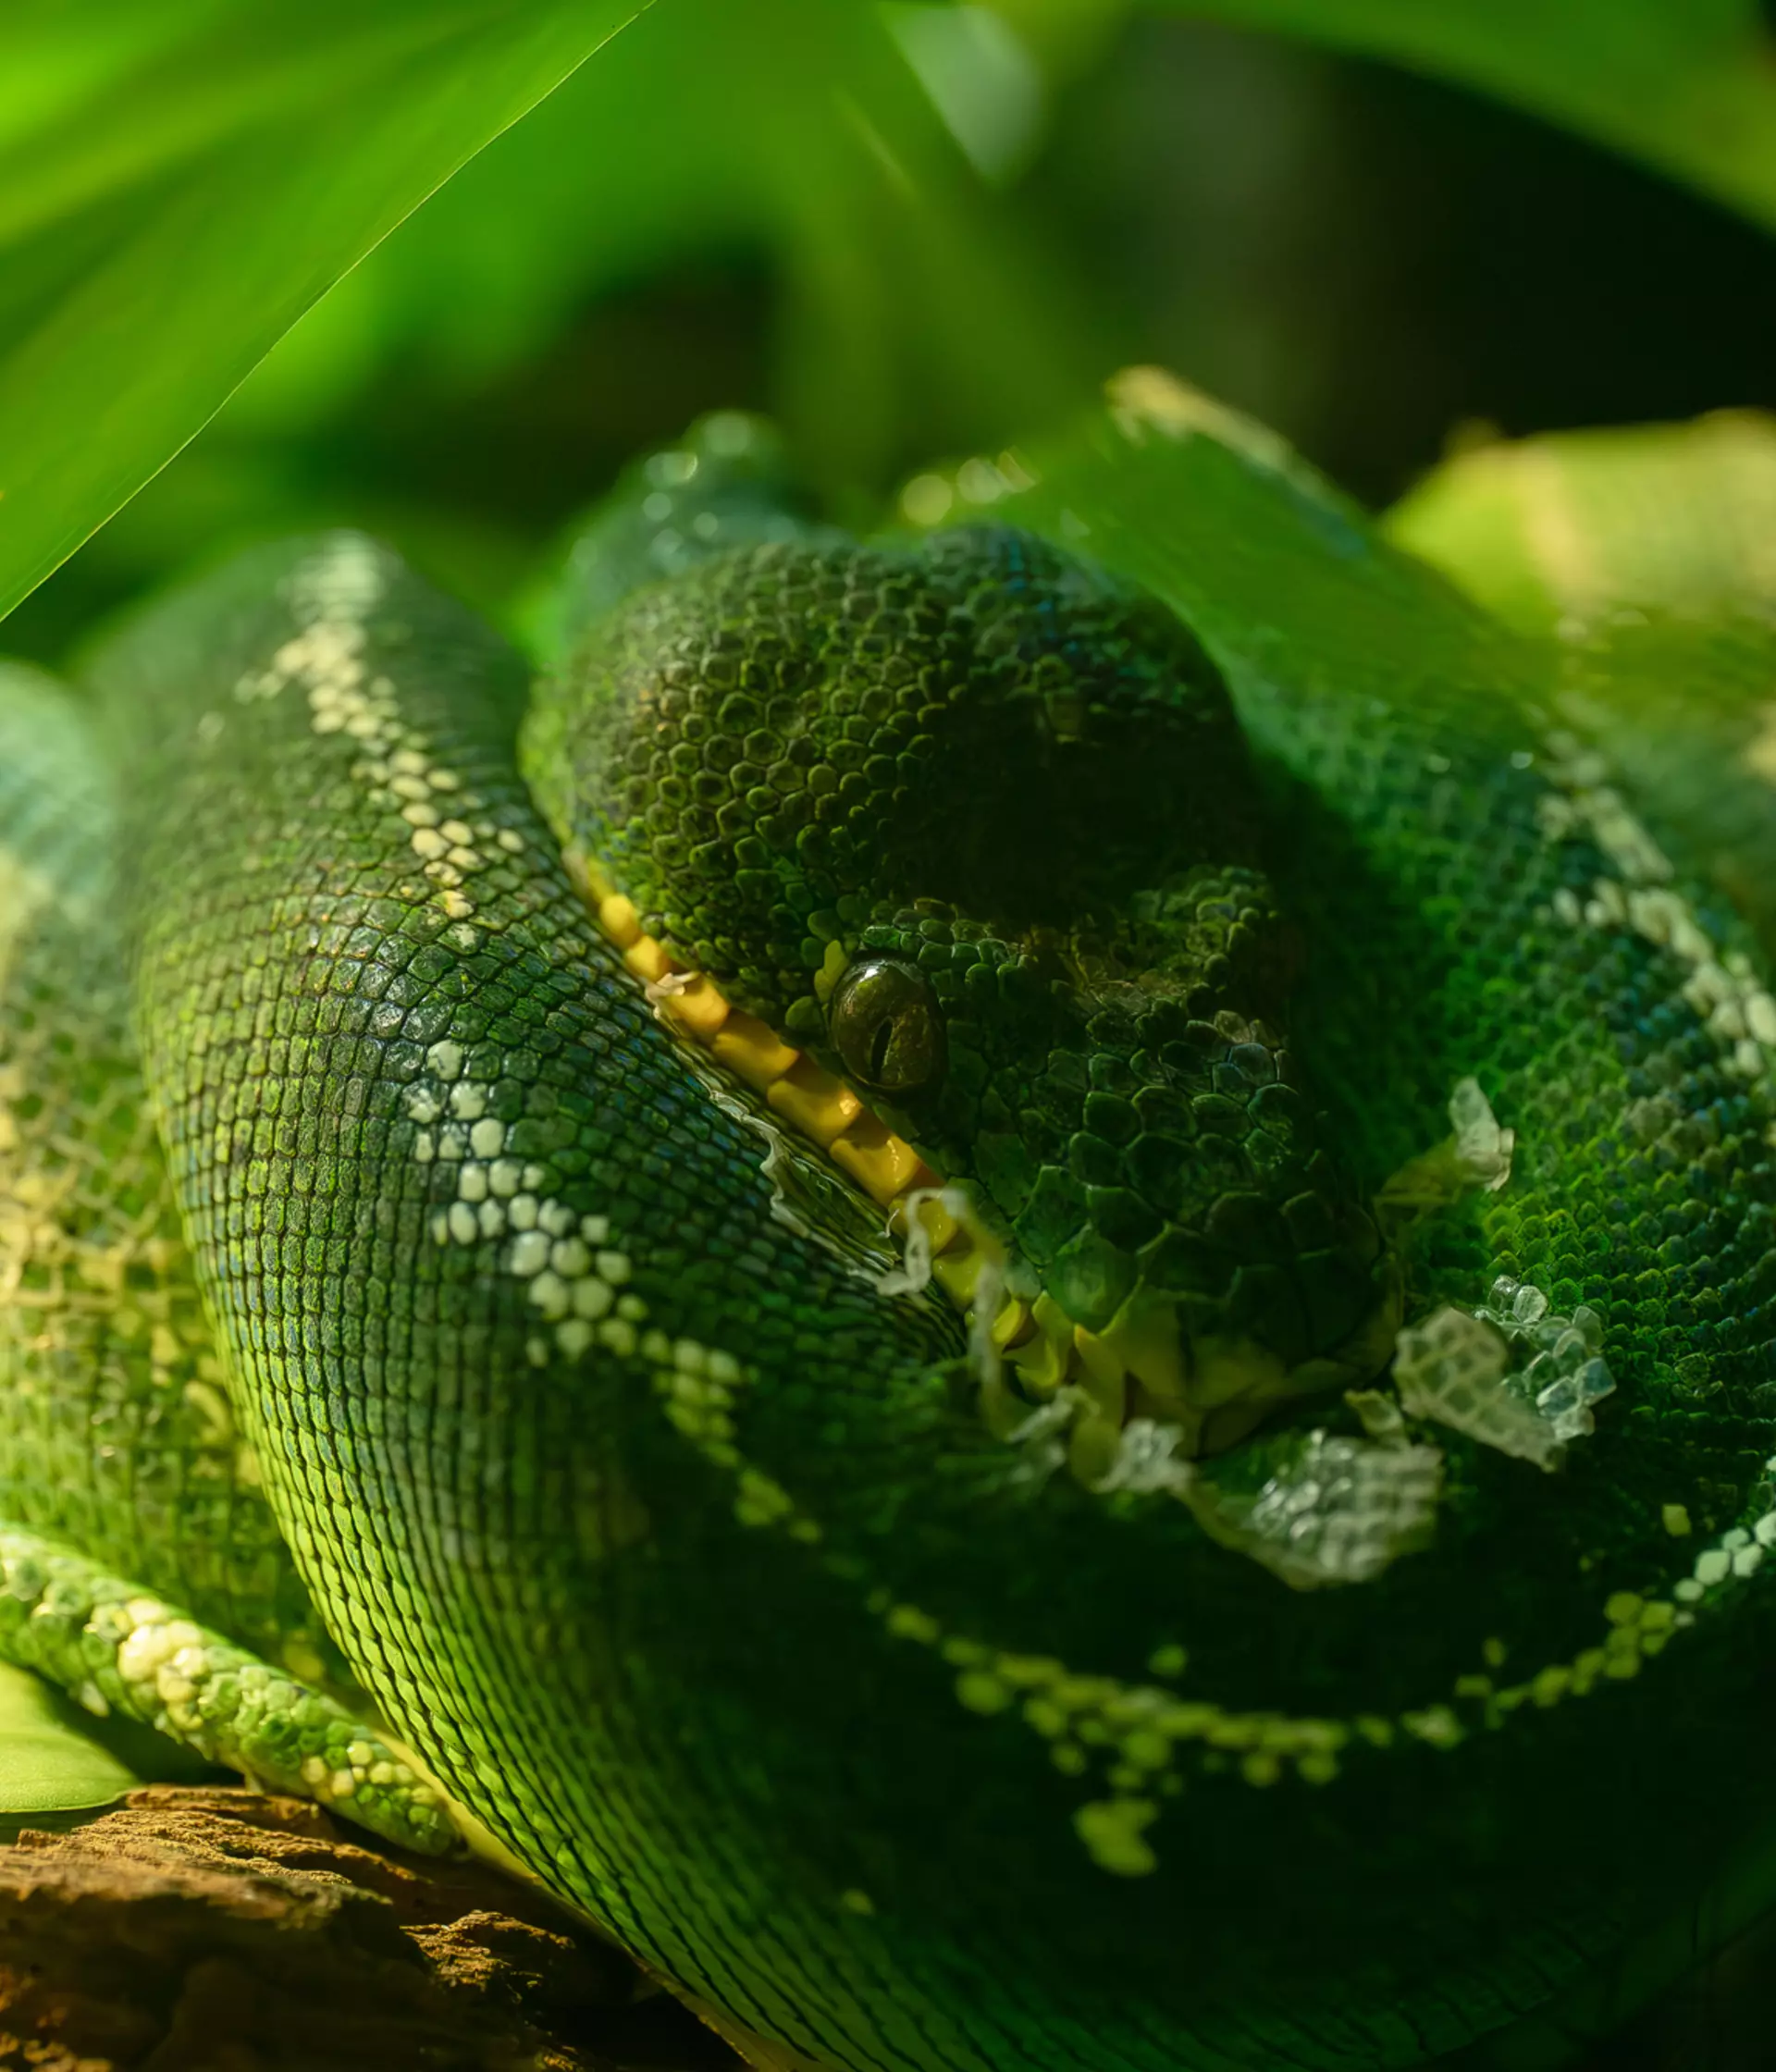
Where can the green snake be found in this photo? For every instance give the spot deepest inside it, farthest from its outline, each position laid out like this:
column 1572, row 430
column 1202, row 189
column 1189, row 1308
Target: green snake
column 1031, row 1323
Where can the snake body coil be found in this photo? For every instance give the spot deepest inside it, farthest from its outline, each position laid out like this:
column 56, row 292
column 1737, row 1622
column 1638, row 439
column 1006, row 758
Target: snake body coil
column 1023, row 1370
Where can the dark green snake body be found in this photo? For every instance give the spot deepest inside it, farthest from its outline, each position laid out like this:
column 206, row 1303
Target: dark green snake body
column 748, row 1604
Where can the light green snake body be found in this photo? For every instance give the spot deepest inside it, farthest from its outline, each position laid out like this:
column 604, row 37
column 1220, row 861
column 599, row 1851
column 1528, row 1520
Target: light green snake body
column 1297, row 1605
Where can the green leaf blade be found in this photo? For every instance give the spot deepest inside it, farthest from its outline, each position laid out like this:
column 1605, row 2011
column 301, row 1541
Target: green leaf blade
column 202, row 241
column 55, row 1758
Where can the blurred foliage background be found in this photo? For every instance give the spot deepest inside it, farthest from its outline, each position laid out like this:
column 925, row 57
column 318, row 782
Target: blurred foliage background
column 910, row 229
column 918, row 229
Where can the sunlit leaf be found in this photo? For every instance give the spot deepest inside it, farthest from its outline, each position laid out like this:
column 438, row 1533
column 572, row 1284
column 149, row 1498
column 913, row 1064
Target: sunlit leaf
column 1686, row 85
column 177, row 183
column 1567, row 527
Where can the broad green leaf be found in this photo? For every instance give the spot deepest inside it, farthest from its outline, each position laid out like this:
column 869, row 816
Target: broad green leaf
column 52, row 1759
column 913, row 308
column 180, row 181
column 1568, row 527
column 1685, row 85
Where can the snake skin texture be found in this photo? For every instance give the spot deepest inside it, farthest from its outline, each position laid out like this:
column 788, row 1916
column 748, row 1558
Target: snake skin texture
column 1305, row 1613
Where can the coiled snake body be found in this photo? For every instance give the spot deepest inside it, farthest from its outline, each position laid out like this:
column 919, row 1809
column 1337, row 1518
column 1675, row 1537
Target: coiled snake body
column 1023, row 1368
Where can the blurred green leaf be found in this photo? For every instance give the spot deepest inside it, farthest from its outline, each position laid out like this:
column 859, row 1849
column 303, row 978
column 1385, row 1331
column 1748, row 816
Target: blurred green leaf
column 49, row 1762
column 1686, row 85
column 179, row 182
column 915, row 303
column 1565, row 529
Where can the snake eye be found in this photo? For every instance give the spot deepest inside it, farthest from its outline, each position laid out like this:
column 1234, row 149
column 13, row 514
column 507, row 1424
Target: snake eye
column 887, row 1027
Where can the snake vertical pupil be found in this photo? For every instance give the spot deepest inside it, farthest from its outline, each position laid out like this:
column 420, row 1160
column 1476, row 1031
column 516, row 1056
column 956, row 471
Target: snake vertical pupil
column 887, row 1027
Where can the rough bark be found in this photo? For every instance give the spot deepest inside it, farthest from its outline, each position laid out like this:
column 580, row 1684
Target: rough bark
column 216, row 1930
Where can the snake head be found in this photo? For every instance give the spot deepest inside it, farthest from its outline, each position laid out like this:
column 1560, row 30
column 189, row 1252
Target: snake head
column 975, row 828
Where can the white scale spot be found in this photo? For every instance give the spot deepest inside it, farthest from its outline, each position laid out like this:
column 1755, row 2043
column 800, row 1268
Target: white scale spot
column 572, row 1275
column 331, row 596
column 1722, row 988
column 550, row 1249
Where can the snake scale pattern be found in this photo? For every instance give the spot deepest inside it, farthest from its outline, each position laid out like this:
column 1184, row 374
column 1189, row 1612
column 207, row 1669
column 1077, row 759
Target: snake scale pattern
column 1029, row 1350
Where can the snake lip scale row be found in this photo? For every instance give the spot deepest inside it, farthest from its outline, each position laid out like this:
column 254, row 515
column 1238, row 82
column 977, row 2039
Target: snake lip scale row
column 1024, row 1359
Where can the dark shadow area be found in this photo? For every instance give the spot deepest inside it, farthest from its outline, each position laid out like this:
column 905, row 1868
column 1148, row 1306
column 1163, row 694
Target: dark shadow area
column 1371, row 261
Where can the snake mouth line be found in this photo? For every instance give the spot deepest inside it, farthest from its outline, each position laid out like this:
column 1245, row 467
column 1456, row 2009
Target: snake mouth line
column 803, row 1095
column 1034, row 1350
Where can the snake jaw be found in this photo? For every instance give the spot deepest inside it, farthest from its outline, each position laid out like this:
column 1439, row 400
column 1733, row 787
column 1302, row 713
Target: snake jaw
column 1214, row 1386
